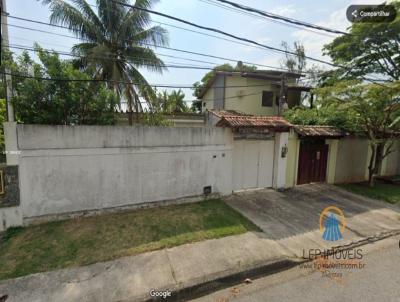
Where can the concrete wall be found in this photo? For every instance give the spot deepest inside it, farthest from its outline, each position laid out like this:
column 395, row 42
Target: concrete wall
column 391, row 164
column 352, row 160
column 66, row 169
column 10, row 217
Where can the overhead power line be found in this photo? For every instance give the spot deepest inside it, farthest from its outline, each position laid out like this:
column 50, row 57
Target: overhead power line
column 91, row 58
column 146, row 44
column 25, row 76
column 158, row 22
column 239, row 38
column 282, row 18
column 222, row 33
column 245, row 13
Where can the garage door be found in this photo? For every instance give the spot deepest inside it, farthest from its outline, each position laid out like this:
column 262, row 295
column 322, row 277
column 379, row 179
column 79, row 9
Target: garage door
column 252, row 164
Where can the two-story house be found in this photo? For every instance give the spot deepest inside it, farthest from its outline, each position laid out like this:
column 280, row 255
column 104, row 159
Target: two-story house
column 269, row 151
column 255, row 92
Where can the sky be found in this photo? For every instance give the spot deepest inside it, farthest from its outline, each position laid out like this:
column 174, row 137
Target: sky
column 329, row 13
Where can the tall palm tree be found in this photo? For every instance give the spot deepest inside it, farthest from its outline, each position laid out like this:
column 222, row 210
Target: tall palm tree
column 177, row 99
column 115, row 43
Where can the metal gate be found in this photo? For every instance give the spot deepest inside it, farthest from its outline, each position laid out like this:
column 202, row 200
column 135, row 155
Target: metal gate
column 253, row 164
column 313, row 159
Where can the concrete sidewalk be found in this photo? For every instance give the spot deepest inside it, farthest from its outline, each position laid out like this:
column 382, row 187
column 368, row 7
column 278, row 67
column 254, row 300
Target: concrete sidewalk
column 132, row 278
column 175, row 269
column 290, row 224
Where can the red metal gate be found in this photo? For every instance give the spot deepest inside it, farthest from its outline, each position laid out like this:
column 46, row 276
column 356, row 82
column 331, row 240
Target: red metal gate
column 313, row 160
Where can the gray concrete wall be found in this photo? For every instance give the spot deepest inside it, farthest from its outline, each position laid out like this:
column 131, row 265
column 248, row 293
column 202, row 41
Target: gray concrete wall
column 391, row 164
column 351, row 160
column 66, row 169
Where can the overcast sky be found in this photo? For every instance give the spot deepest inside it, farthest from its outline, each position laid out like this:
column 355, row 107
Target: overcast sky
column 330, row 13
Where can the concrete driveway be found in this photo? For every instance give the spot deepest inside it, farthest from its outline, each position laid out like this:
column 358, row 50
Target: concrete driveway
column 292, row 217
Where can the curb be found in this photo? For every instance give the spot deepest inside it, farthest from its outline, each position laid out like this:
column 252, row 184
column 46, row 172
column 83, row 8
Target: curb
column 202, row 289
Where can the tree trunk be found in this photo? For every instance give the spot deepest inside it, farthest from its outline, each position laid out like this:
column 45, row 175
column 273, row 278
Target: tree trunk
column 137, row 107
column 371, row 167
column 129, row 98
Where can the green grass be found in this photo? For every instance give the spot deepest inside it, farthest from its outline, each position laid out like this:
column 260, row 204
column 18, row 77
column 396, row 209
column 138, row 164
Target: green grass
column 383, row 191
column 88, row 240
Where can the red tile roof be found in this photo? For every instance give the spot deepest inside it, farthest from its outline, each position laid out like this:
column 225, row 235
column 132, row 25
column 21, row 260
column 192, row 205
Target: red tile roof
column 273, row 122
column 319, row 131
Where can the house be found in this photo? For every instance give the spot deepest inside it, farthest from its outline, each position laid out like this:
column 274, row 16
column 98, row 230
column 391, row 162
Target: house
column 270, row 152
column 255, row 92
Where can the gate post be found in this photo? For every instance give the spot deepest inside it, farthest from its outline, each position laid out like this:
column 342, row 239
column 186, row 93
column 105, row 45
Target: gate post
column 11, row 143
column 280, row 159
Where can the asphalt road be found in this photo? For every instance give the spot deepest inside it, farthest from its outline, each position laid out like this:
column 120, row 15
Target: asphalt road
column 379, row 280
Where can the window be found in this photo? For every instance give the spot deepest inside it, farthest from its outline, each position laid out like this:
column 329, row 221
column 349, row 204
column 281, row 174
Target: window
column 267, row 98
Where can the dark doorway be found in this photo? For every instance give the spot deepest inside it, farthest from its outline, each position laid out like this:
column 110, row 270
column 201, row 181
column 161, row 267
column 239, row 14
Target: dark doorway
column 313, row 160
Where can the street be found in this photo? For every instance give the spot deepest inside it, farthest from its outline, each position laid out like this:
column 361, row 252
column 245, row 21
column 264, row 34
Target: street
column 379, row 280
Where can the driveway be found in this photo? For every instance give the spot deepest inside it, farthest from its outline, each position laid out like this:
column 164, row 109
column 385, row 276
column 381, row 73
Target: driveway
column 292, row 217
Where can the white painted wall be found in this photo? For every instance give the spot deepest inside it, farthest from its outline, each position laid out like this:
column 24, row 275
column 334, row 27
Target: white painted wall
column 66, row 169
column 10, row 217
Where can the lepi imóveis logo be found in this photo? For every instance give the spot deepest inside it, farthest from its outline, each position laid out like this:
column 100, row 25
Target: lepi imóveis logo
column 332, row 223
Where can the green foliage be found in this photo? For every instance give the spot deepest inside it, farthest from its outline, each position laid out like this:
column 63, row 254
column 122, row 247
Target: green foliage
column 370, row 108
column 381, row 191
column 224, row 67
column 326, row 115
column 3, row 113
column 39, row 101
column 116, row 37
column 370, row 48
column 195, row 107
column 173, row 102
column 154, row 119
column 351, row 105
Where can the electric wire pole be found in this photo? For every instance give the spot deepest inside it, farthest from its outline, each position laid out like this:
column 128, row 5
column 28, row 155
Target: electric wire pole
column 7, row 76
column 282, row 95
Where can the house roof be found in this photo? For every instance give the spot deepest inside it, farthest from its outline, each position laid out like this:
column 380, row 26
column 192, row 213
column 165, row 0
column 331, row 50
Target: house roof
column 319, row 131
column 222, row 113
column 271, row 75
column 242, row 121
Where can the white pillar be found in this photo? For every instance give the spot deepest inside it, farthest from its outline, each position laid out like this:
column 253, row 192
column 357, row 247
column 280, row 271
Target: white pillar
column 332, row 156
column 280, row 159
column 11, row 143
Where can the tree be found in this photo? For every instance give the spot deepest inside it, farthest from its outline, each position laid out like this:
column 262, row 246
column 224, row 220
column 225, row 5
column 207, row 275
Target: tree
column 39, row 101
column 294, row 63
column 114, row 44
column 170, row 103
column 319, row 115
column 370, row 48
column 198, row 86
column 371, row 109
column 177, row 99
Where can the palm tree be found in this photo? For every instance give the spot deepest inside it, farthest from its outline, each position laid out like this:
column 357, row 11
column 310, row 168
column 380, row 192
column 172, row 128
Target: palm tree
column 176, row 98
column 115, row 43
